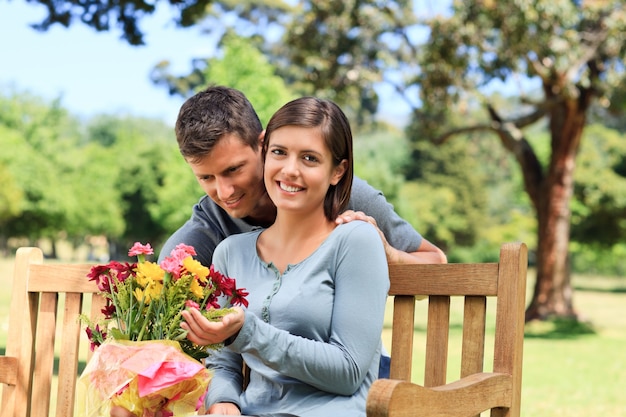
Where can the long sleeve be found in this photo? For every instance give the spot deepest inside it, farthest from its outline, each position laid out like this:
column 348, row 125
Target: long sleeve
column 227, row 382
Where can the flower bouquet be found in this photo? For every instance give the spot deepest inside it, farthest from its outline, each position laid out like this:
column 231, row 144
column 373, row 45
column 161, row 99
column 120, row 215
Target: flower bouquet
column 142, row 359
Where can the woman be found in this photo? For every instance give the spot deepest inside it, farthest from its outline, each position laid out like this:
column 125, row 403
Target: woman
column 311, row 333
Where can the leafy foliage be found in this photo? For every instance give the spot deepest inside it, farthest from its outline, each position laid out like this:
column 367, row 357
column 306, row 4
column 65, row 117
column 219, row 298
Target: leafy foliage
column 600, row 191
column 124, row 14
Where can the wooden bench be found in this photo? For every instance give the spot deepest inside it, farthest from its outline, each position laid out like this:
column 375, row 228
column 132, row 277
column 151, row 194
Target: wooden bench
column 476, row 390
column 37, row 329
column 45, row 305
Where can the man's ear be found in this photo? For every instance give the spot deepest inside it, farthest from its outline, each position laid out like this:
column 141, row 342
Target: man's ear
column 262, row 137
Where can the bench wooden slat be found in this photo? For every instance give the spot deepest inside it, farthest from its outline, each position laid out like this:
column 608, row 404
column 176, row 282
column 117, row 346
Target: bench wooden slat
column 46, row 314
column 61, row 278
column 473, row 347
column 437, row 334
column 8, row 370
column 446, row 279
column 68, row 368
column 402, row 342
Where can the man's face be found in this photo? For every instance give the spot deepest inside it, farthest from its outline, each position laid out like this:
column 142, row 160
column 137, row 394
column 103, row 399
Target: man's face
column 232, row 176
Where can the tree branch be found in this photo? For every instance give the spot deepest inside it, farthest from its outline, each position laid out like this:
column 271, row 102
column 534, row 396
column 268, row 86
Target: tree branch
column 468, row 129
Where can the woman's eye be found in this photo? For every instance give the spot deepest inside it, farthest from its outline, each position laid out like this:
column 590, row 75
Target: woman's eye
column 310, row 158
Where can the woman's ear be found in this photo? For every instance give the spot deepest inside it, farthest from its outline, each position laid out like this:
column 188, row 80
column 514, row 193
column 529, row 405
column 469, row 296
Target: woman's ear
column 340, row 170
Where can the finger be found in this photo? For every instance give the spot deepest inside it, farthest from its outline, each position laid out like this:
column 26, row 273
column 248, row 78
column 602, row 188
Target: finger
column 345, row 217
column 193, row 324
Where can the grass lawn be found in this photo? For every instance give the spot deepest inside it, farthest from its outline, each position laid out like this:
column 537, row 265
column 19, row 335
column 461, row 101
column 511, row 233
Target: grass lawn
column 569, row 370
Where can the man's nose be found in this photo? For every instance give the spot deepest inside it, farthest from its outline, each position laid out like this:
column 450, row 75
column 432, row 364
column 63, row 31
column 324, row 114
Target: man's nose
column 224, row 188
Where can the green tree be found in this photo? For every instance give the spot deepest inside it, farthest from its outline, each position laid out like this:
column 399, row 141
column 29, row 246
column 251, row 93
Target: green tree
column 379, row 156
column 453, row 175
column 38, row 138
column 576, row 54
column 124, row 15
column 10, row 194
column 599, row 202
column 240, row 65
column 138, row 152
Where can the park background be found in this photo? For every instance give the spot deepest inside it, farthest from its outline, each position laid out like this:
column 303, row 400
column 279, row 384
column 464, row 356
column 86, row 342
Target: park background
column 90, row 165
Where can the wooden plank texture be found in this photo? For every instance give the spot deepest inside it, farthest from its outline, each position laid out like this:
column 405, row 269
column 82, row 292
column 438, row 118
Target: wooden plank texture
column 475, row 391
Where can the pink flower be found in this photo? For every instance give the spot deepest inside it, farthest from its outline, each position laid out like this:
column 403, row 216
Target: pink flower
column 189, row 250
column 172, row 265
column 139, row 249
column 191, row 304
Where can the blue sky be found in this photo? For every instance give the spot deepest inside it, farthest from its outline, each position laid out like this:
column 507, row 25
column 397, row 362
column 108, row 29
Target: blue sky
column 96, row 73
column 93, row 72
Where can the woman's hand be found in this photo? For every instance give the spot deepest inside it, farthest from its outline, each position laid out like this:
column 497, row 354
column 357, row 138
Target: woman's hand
column 203, row 332
column 226, row 409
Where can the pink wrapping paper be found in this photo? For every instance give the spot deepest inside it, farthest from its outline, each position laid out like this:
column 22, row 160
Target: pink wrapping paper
column 144, row 377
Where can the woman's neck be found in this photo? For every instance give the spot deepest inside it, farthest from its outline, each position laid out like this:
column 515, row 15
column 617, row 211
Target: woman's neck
column 293, row 237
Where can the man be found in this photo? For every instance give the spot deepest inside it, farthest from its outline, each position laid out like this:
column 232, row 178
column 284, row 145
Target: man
column 220, row 136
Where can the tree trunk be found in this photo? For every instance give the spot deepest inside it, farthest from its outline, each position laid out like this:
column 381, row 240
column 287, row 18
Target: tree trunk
column 552, row 295
column 553, row 292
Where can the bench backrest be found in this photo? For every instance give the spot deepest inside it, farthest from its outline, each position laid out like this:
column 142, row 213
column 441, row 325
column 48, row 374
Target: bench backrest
column 46, row 302
column 475, row 391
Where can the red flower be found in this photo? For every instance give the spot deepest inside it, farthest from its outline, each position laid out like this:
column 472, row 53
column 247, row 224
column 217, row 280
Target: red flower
column 223, row 285
column 122, row 271
column 96, row 336
column 212, row 303
column 108, row 310
column 240, row 297
column 100, row 274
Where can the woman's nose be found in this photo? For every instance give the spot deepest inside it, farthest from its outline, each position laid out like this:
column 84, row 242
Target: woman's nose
column 291, row 167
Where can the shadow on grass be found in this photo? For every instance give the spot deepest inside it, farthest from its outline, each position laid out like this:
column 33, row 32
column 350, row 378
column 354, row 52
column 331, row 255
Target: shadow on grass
column 558, row 328
column 612, row 290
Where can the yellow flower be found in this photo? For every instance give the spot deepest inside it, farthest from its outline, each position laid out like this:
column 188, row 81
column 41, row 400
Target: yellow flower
column 196, row 268
column 139, row 296
column 151, row 292
column 149, row 272
column 154, row 290
column 196, row 288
